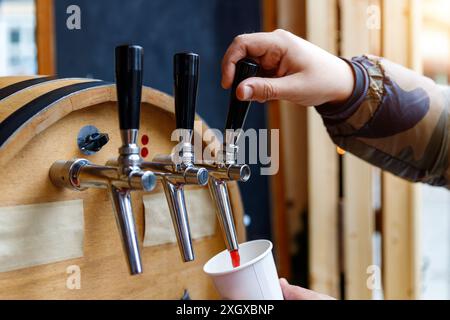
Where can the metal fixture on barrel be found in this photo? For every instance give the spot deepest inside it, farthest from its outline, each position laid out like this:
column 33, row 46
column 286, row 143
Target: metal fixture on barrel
column 226, row 167
column 178, row 169
column 124, row 174
column 128, row 172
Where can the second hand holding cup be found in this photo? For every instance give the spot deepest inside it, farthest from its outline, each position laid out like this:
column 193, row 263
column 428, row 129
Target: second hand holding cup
column 255, row 279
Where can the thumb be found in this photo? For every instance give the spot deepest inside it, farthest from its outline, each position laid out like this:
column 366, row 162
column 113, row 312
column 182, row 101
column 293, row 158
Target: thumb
column 260, row 89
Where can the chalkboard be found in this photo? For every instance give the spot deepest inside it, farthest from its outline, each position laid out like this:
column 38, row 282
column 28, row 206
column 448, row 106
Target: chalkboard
column 163, row 28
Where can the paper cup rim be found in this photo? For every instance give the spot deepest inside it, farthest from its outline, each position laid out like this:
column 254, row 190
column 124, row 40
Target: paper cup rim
column 242, row 266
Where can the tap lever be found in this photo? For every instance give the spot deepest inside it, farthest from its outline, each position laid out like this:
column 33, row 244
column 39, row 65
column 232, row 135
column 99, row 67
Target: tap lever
column 185, row 73
column 237, row 111
column 129, row 71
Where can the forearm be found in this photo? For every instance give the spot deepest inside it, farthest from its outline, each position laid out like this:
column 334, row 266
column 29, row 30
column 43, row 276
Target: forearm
column 397, row 120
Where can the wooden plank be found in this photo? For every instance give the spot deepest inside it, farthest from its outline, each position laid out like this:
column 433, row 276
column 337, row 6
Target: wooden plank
column 401, row 267
column 291, row 17
column 359, row 218
column 323, row 173
column 294, row 141
column 277, row 182
column 359, row 224
column 400, row 201
column 45, row 37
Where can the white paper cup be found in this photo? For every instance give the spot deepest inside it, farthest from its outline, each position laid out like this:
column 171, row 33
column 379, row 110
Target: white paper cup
column 255, row 279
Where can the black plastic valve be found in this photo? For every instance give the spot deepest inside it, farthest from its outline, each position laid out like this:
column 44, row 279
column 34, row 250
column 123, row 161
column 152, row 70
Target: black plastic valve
column 185, row 74
column 94, row 142
column 129, row 72
column 90, row 140
column 237, row 111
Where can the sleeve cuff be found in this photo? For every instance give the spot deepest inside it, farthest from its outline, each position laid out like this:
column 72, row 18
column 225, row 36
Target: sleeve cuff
column 334, row 113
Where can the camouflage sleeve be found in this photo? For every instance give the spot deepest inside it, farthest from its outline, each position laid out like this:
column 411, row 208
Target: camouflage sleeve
column 396, row 119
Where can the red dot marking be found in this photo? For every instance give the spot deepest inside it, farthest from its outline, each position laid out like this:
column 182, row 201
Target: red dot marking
column 144, row 139
column 144, row 152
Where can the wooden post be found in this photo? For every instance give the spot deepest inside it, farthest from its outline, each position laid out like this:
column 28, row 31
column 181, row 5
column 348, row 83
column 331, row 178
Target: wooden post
column 45, row 37
column 359, row 35
column 322, row 166
column 291, row 17
column 400, row 203
column 277, row 182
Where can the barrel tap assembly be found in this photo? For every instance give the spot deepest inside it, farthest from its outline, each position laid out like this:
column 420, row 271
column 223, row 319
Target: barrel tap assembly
column 123, row 175
column 177, row 169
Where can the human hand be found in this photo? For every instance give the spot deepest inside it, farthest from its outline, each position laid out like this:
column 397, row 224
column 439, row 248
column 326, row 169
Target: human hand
column 293, row 69
column 291, row 292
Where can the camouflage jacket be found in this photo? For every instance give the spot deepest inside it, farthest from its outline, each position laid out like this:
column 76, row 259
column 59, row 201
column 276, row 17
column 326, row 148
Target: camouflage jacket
column 396, row 119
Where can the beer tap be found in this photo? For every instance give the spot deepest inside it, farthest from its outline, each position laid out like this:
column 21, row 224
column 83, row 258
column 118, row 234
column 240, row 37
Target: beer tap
column 124, row 174
column 177, row 169
column 227, row 168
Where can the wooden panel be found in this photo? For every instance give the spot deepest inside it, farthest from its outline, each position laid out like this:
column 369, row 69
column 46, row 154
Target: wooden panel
column 322, row 167
column 291, row 17
column 277, row 182
column 359, row 219
column 401, row 265
column 359, row 224
column 295, row 144
column 45, row 37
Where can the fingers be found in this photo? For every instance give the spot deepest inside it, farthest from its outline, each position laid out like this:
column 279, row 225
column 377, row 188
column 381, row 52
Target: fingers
column 266, row 89
column 266, row 48
column 297, row 293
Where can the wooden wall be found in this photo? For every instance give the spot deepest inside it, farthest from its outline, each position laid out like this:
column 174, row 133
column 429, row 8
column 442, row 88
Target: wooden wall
column 400, row 205
column 339, row 194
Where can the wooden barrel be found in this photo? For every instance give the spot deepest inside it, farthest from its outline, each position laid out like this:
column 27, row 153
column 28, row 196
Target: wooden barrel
column 40, row 118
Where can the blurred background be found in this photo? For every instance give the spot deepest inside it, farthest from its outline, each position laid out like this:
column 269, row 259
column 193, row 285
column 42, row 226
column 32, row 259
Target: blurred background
column 339, row 226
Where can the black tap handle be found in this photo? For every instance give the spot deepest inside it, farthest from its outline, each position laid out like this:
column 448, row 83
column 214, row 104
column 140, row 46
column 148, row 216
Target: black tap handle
column 237, row 111
column 185, row 75
column 129, row 70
